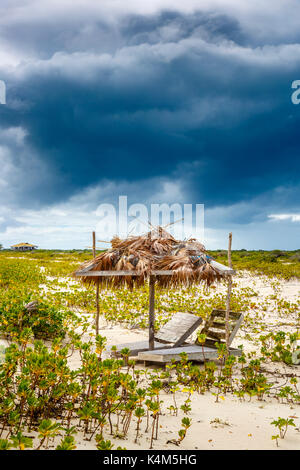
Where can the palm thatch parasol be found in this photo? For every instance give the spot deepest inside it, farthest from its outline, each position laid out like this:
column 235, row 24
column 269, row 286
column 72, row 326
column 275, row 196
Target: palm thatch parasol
column 133, row 260
column 156, row 257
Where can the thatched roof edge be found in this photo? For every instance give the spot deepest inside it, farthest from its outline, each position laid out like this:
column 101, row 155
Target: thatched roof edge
column 157, row 253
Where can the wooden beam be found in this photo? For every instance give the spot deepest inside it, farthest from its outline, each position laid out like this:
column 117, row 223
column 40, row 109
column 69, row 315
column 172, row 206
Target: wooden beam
column 87, row 273
column 151, row 311
column 228, row 299
column 222, row 269
column 94, row 244
column 106, row 273
column 158, row 272
column 84, row 273
column 97, row 289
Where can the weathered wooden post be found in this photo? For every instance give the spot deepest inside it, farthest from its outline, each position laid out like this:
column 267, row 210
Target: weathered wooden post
column 229, row 288
column 97, row 288
column 151, row 311
column 94, row 244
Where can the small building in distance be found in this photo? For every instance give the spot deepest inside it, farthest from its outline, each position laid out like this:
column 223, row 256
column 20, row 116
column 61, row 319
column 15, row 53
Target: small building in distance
column 23, row 247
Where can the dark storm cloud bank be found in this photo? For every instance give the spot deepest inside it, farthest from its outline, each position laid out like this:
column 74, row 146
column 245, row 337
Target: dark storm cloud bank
column 172, row 25
column 79, row 34
column 182, row 96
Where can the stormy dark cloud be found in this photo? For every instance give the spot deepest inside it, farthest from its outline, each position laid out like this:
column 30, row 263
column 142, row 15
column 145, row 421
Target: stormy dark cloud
column 197, row 99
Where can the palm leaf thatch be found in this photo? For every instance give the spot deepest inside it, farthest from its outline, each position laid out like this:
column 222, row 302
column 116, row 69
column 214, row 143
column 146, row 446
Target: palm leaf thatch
column 156, row 250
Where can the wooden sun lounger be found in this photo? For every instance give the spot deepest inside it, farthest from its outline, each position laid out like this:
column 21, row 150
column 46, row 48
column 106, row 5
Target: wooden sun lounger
column 214, row 328
column 194, row 352
column 171, row 335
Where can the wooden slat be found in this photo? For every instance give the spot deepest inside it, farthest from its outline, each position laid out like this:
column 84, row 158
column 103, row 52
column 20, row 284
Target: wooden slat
column 158, row 272
column 151, row 311
column 235, row 329
column 211, row 343
column 221, row 325
column 220, row 312
column 83, row 271
column 216, row 335
column 221, row 268
column 218, row 324
column 135, row 347
column 178, row 328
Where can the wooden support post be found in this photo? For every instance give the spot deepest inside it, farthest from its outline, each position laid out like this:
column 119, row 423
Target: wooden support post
column 97, row 288
column 97, row 308
column 151, row 311
column 94, row 244
column 229, row 288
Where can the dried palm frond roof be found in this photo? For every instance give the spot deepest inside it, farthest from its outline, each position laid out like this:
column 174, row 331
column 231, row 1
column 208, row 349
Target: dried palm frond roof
column 19, row 245
column 157, row 252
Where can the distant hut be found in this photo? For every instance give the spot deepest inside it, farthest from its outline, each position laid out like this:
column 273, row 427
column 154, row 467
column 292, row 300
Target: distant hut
column 23, row 247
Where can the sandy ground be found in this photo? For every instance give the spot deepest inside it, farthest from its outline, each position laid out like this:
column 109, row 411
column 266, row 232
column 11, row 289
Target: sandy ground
column 242, row 425
column 230, row 423
column 247, row 427
column 248, row 424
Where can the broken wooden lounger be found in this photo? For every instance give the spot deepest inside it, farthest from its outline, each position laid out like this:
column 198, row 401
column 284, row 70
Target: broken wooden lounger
column 171, row 335
column 214, row 329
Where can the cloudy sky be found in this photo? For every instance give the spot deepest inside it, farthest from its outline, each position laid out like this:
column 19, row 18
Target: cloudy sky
column 163, row 101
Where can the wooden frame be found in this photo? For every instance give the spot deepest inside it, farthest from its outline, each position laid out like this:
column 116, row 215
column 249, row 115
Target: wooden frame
column 215, row 336
column 171, row 335
column 86, row 273
column 224, row 270
column 196, row 352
